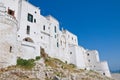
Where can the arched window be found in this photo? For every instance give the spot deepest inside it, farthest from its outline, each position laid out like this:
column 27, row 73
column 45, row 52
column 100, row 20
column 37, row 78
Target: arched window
column 28, row 39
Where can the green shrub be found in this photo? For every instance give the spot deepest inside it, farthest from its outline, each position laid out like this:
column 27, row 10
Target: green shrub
column 28, row 64
column 65, row 62
column 37, row 57
column 72, row 65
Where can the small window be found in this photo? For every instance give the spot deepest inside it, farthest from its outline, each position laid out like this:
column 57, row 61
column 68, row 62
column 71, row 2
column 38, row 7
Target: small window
column 88, row 54
column 61, row 43
column 30, row 17
column 41, row 37
column 75, row 40
column 43, row 27
column 26, row 39
column 10, row 49
column 55, row 36
column 28, row 30
column 70, row 52
column 65, row 62
column 103, row 73
column 55, row 29
column 34, row 20
column 57, row 44
column 88, row 60
column 11, row 12
column 18, row 35
column 72, row 38
column 48, row 27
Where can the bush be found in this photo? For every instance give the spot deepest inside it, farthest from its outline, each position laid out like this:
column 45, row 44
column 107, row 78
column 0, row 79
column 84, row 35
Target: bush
column 72, row 65
column 37, row 57
column 28, row 64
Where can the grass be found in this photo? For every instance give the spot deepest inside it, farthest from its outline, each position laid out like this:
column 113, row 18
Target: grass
column 56, row 63
column 27, row 64
column 38, row 58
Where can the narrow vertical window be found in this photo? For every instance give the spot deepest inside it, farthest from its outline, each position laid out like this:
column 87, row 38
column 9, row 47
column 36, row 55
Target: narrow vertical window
column 55, row 29
column 28, row 30
column 57, row 44
column 43, row 27
column 10, row 49
column 88, row 54
column 55, row 36
column 30, row 17
column 88, row 60
column 34, row 20
column 72, row 38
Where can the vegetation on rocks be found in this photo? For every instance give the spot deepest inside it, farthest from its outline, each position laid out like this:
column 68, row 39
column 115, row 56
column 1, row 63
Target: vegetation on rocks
column 47, row 68
column 38, row 57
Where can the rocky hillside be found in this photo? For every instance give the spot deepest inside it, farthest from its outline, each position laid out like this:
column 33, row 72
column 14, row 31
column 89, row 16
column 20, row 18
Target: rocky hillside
column 49, row 69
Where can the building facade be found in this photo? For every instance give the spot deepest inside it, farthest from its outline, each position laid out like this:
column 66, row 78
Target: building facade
column 24, row 32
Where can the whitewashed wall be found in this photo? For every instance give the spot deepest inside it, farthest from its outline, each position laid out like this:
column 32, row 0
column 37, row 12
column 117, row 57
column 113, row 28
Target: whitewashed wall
column 8, row 30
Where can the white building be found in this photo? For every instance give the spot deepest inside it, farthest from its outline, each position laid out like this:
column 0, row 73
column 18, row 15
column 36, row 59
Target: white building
column 24, row 32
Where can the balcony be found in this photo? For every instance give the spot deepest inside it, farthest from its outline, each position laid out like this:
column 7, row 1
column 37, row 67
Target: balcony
column 6, row 18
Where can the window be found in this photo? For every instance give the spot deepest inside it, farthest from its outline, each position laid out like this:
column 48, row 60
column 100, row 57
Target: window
column 30, row 17
column 72, row 38
column 103, row 73
column 57, row 44
column 10, row 49
column 88, row 54
column 18, row 35
column 41, row 37
column 55, row 29
column 27, row 39
column 75, row 40
column 28, row 30
column 88, row 60
column 55, row 36
column 48, row 27
column 61, row 43
column 34, row 20
column 11, row 12
column 43, row 27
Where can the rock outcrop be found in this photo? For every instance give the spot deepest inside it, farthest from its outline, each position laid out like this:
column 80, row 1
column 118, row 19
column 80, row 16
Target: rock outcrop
column 50, row 69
